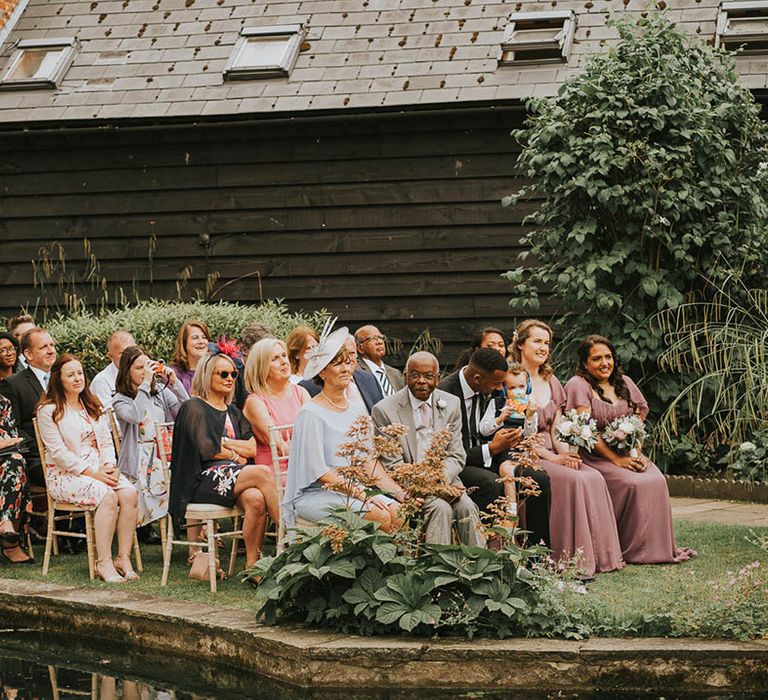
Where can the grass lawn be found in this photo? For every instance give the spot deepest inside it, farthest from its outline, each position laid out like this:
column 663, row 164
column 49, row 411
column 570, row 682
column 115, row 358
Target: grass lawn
column 634, row 592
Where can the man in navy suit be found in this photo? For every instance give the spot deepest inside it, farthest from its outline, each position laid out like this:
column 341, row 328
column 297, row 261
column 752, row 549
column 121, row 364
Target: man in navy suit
column 363, row 388
column 24, row 389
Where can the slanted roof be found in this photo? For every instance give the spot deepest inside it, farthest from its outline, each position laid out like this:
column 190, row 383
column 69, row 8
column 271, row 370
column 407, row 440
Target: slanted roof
column 164, row 58
column 10, row 11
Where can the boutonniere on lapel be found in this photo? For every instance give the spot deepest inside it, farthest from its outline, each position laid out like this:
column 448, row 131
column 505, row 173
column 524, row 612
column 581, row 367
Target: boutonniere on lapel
column 441, row 403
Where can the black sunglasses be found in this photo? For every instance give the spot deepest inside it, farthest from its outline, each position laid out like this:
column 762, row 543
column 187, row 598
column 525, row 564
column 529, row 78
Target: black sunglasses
column 226, row 374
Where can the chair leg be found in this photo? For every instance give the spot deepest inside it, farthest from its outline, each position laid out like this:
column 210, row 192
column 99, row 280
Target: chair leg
column 233, row 553
column 163, row 523
column 90, row 544
column 49, row 539
column 167, row 553
column 210, row 532
column 137, row 553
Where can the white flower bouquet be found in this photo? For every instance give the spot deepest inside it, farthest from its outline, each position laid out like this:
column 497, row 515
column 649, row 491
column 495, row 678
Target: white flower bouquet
column 577, row 430
column 625, row 435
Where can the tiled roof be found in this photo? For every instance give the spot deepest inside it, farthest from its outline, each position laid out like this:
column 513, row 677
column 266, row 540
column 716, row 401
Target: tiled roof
column 165, row 58
column 10, row 10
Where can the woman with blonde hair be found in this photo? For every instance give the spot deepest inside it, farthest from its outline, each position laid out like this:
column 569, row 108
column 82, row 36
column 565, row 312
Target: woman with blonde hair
column 300, row 343
column 581, row 521
column 272, row 398
column 82, row 467
column 191, row 345
column 212, row 448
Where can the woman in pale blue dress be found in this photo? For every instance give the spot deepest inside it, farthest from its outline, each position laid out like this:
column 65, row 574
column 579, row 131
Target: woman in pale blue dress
column 321, row 428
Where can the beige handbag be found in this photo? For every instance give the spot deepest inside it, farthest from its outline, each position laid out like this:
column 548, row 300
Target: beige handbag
column 200, row 571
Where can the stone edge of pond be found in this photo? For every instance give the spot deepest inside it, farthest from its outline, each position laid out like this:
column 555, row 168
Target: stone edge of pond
column 717, row 489
column 315, row 659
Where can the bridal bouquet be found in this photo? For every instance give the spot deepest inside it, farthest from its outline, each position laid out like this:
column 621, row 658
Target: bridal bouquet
column 577, row 430
column 625, row 435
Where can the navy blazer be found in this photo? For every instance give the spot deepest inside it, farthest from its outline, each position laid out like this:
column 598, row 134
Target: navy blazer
column 366, row 383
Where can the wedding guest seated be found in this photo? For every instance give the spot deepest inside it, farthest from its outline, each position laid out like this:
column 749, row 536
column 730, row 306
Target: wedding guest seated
column 372, row 348
column 9, row 356
column 363, row 389
column 17, row 327
column 82, row 467
column 301, row 341
column 15, row 501
column 637, row 488
column 488, row 337
column 320, row 429
column 24, row 389
column 272, row 398
column 191, row 345
column 212, row 446
column 252, row 334
column 146, row 394
column 474, row 384
column 423, row 409
column 103, row 384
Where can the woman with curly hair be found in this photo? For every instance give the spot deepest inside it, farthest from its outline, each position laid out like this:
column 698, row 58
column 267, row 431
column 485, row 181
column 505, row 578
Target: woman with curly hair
column 638, row 489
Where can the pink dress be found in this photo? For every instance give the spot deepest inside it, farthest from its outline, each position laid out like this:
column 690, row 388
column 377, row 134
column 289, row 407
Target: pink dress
column 283, row 412
column 640, row 499
column 581, row 520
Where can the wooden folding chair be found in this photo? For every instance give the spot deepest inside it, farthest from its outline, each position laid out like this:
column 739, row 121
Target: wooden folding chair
column 207, row 514
column 72, row 511
column 280, row 467
column 116, row 438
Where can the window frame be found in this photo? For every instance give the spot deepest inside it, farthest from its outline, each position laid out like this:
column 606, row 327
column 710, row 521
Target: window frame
column 512, row 44
column 66, row 45
column 295, row 34
column 723, row 37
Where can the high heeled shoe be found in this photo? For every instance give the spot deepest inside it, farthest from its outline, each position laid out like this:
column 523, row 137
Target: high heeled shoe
column 127, row 574
column 113, row 578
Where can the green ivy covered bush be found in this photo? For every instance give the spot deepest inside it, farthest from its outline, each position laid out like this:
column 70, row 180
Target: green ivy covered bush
column 155, row 325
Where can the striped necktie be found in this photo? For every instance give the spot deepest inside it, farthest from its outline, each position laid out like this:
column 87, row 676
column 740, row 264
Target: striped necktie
column 386, row 387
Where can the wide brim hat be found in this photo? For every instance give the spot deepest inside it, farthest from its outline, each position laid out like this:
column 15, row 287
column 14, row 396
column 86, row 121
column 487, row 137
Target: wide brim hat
column 327, row 348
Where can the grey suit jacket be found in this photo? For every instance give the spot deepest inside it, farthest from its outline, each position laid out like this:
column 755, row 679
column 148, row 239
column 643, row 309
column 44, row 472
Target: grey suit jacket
column 445, row 414
column 394, row 375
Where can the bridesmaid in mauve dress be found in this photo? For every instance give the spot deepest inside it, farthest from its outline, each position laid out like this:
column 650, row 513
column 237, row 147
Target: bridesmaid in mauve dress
column 638, row 489
column 581, row 516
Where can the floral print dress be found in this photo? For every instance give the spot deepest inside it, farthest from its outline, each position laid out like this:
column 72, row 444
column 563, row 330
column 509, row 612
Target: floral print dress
column 15, row 501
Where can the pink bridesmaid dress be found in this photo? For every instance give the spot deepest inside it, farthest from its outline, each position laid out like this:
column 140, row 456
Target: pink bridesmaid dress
column 640, row 499
column 581, row 520
column 283, row 412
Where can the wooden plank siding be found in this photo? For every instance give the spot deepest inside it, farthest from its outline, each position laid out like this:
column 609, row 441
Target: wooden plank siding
column 393, row 219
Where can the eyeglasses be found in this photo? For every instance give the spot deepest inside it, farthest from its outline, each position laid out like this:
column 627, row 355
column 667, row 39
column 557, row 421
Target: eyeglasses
column 382, row 338
column 8, row 351
column 226, row 374
column 413, row 375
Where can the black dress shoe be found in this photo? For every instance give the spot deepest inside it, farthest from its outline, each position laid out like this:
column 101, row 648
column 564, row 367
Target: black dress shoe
column 146, row 535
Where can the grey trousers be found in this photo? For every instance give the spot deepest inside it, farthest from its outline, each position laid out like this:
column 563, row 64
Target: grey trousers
column 440, row 516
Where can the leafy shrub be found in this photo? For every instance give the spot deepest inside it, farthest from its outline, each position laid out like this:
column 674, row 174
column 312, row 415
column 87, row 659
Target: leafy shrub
column 155, row 325
column 347, row 574
column 650, row 162
column 749, row 460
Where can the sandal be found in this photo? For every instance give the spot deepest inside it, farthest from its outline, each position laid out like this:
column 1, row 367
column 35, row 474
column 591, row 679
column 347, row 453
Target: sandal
column 5, row 550
column 10, row 539
column 127, row 573
column 114, row 578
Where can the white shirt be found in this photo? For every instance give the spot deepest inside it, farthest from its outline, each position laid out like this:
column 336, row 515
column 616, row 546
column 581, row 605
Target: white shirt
column 22, row 360
column 423, row 435
column 375, row 369
column 103, row 384
column 42, row 376
column 468, row 393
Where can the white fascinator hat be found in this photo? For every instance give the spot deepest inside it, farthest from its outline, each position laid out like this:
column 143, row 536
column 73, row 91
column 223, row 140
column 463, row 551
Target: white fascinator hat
column 330, row 343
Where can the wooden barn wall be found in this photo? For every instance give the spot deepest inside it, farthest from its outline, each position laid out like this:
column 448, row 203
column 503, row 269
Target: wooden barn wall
column 391, row 219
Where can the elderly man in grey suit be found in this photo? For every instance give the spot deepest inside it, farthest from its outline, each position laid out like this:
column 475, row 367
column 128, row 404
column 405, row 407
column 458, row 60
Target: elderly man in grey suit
column 423, row 408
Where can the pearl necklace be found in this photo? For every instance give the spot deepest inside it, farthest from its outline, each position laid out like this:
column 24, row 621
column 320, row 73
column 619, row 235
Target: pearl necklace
column 335, row 405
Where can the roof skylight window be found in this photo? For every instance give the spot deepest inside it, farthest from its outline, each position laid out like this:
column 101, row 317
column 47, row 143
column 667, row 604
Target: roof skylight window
column 743, row 25
column 38, row 63
column 538, row 37
column 265, row 52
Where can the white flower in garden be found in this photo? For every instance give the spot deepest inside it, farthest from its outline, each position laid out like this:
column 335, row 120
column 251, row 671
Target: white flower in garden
column 664, row 221
column 748, row 446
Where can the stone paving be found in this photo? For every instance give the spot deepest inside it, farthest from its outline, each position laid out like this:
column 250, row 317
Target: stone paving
column 723, row 512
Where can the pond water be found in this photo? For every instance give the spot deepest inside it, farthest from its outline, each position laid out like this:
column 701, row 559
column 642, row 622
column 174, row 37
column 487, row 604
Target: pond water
column 38, row 667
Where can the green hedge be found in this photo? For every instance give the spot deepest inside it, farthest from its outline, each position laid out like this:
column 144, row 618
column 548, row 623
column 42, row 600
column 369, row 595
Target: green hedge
column 155, row 325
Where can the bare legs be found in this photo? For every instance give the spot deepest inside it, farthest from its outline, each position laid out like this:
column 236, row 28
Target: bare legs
column 252, row 501
column 507, row 469
column 104, row 521
column 260, row 477
column 128, row 501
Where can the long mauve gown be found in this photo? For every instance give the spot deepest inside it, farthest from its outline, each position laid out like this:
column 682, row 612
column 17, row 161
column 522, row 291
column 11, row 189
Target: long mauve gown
column 640, row 499
column 581, row 516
